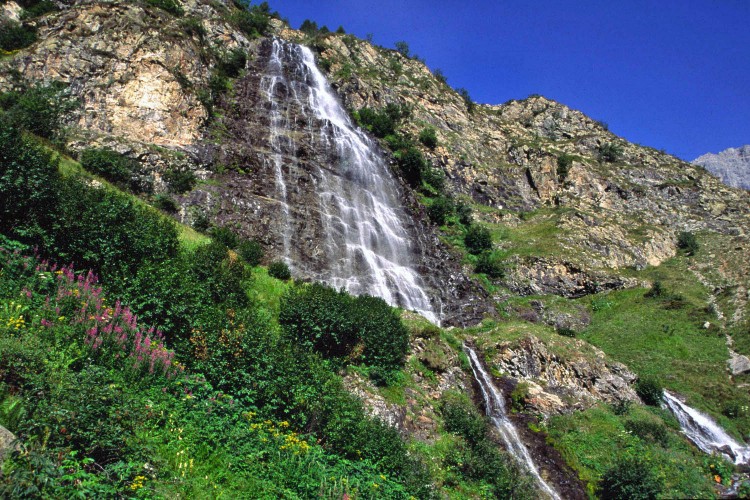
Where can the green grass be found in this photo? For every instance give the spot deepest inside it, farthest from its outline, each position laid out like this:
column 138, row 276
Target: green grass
column 592, row 440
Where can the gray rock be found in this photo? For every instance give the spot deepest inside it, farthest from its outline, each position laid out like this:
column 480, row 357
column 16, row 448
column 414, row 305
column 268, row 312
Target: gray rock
column 732, row 166
column 738, row 363
column 7, row 442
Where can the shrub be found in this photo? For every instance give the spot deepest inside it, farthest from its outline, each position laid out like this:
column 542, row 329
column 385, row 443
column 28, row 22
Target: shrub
column 279, row 270
column 166, row 203
column 402, row 48
column 464, row 212
column 440, row 76
column 564, row 162
column 519, row 395
column 385, row 338
column 622, row 407
column 232, row 63
column 171, row 6
column 467, row 99
column 441, row 208
column 566, row 332
column 411, row 164
column 111, row 165
column 40, row 109
column 252, row 22
column 489, row 265
column 657, row 290
column 14, row 36
column 35, row 9
column 688, row 242
column 180, row 181
column 428, row 137
column 477, row 239
column 193, row 26
column 649, row 431
column 381, row 123
column 225, row 236
column 435, row 178
column 610, row 152
column 649, row 390
column 630, row 479
column 251, row 252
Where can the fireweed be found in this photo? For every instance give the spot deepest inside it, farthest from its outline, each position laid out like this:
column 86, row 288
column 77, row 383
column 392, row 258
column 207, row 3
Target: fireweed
column 110, row 332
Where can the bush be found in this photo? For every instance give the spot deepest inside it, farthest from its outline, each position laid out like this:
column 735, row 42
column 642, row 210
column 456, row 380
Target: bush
column 251, row 252
column 180, row 181
column 564, row 162
column 657, row 290
column 111, row 165
column 411, row 164
column 402, row 48
column 428, row 137
column 253, row 21
column 385, row 338
column 166, row 203
column 489, row 265
column 464, row 212
column 610, row 152
column 467, row 99
column 279, row 270
column 381, row 123
column 14, row 36
column 171, row 6
column 688, row 242
column 649, row 390
column 630, row 479
column 649, row 431
column 435, row 178
column 35, row 8
column 41, row 109
column 226, row 237
column 232, row 63
column 477, row 239
column 441, row 208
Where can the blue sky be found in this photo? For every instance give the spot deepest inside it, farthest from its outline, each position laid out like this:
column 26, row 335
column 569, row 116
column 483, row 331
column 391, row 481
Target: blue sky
column 671, row 74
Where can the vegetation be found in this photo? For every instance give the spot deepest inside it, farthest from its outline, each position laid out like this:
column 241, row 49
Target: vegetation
column 478, row 239
column 564, row 162
column 171, row 6
column 428, row 137
column 116, row 168
column 279, row 270
column 610, row 152
column 688, row 242
column 628, row 479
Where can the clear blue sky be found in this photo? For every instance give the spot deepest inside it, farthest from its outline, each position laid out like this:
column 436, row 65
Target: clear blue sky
column 671, row 74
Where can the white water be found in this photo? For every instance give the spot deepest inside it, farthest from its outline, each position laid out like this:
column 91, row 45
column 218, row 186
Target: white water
column 495, row 408
column 705, row 432
column 367, row 248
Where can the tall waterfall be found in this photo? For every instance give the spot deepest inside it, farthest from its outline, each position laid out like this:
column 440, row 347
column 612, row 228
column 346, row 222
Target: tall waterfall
column 367, row 248
column 494, row 405
column 705, row 432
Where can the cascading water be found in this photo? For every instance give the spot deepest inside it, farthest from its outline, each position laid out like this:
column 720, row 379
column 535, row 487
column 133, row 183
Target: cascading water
column 367, row 248
column 495, row 409
column 705, row 432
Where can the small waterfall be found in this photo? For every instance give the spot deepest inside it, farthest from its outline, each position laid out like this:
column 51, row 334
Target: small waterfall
column 705, row 432
column 367, row 248
column 495, row 409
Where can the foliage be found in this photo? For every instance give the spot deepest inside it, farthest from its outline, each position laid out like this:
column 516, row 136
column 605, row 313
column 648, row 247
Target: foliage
column 464, row 212
column 488, row 264
column 441, row 208
column 14, row 36
column 440, row 76
column 180, row 181
column 564, row 162
column 171, row 6
column 166, row 203
column 34, row 8
column 478, row 239
column 649, row 430
column 610, row 152
column 649, row 390
column 225, row 236
column 279, row 270
column 688, row 242
column 656, row 290
column 39, row 109
column 411, row 164
column 251, row 252
column 468, row 101
column 428, row 137
column 113, row 166
column 630, row 479
column 252, row 20
column 402, row 48
column 231, row 64
column 381, row 122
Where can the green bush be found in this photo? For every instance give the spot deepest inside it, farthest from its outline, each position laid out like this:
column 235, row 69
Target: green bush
column 468, row 101
column 610, row 152
column 464, row 212
column 402, row 48
column 649, row 390
column 489, row 265
column 32, row 9
column 253, row 21
column 440, row 208
column 688, row 242
column 14, row 36
column 385, row 338
column 180, row 181
column 320, row 319
column 477, row 239
column 564, row 162
column 630, row 478
column 649, row 431
column 279, row 270
column 251, row 252
column 232, row 63
column 166, row 203
column 113, row 166
column 435, row 178
column 381, row 123
column 41, row 109
column 428, row 137
column 657, row 290
column 171, row 6
column 225, row 236
column 411, row 163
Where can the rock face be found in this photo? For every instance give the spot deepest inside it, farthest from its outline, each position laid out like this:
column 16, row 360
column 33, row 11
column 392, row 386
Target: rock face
column 7, row 445
column 732, row 166
column 559, row 384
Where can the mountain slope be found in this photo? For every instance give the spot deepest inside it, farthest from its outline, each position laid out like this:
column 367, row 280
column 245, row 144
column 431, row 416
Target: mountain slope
column 732, row 166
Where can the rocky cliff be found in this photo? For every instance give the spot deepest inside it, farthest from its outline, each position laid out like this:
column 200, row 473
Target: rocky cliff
column 732, row 166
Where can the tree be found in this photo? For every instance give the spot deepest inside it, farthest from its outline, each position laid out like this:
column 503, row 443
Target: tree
column 402, row 48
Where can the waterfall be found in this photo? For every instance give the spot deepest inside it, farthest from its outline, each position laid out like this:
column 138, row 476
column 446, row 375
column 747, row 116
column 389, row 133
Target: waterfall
column 705, row 432
column 367, row 248
column 495, row 408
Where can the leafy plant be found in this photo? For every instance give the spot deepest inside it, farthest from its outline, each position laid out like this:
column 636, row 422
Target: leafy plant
column 477, row 239
column 688, row 242
column 14, row 36
column 279, row 270
column 171, row 6
column 630, row 479
column 428, row 137
column 610, row 152
column 180, row 181
column 649, row 390
column 440, row 208
column 564, row 162
column 110, row 164
column 489, row 265
column 251, row 252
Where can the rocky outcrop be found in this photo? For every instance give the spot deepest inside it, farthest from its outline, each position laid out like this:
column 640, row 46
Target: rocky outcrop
column 557, row 383
column 7, row 443
column 732, row 166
